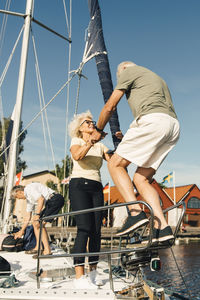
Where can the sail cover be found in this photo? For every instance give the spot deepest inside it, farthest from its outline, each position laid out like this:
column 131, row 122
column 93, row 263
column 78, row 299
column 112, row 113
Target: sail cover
column 95, row 46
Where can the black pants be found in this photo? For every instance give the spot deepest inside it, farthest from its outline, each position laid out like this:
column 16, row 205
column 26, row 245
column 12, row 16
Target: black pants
column 83, row 194
column 52, row 206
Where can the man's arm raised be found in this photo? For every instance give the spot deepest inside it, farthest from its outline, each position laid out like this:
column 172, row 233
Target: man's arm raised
column 107, row 111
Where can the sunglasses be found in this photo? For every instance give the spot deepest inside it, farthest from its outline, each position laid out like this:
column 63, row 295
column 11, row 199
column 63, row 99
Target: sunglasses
column 88, row 122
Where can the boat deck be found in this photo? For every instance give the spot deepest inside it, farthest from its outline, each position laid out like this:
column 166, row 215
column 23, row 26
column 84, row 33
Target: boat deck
column 56, row 279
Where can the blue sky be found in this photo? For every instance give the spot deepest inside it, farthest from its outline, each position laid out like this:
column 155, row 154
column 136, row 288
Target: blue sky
column 160, row 35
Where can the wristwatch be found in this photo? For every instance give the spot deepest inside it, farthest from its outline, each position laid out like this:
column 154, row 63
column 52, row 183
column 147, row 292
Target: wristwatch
column 98, row 129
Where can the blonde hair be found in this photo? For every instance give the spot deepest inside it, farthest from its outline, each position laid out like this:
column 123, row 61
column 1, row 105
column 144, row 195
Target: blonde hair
column 74, row 125
column 124, row 65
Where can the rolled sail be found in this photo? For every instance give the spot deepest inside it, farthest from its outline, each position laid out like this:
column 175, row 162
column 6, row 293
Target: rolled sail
column 96, row 46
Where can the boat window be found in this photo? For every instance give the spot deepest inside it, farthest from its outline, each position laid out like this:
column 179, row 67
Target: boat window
column 194, row 203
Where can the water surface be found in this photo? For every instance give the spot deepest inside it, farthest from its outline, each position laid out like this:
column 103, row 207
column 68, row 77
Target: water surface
column 180, row 270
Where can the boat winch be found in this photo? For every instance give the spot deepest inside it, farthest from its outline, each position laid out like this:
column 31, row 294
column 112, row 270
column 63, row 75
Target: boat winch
column 135, row 260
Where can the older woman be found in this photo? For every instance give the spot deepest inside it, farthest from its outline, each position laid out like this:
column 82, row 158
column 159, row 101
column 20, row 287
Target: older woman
column 86, row 191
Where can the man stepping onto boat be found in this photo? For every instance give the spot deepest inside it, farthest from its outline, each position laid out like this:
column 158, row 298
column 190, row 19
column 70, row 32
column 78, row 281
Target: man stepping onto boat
column 41, row 201
column 150, row 137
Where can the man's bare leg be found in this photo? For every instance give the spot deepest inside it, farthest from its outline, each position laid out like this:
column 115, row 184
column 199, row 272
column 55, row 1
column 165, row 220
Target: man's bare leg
column 117, row 168
column 149, row 194
column 45, row 240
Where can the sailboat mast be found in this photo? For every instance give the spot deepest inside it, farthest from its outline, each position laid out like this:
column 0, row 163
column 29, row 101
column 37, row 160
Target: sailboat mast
column 18, row 109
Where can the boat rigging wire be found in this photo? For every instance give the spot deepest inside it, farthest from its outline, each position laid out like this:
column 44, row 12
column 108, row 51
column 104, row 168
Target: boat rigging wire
column 188, row 291
column 68, row 21
column 38, row 77
column 42, row 116
column 2, row 123
column 39, row 113
column 69, row 29
column 42, row 103
column 2, row 80
column 87, row 55
column 10, row 57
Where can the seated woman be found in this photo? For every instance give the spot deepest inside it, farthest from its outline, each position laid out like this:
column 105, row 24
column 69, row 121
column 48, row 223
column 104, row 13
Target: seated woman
column 86, row 191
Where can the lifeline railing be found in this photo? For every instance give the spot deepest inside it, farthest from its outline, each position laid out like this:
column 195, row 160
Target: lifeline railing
column 109, row 252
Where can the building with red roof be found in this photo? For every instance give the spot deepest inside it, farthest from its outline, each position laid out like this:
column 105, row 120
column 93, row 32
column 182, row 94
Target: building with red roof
column 190, row 194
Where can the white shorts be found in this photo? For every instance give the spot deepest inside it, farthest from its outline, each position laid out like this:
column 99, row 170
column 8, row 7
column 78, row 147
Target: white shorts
column 149, row 139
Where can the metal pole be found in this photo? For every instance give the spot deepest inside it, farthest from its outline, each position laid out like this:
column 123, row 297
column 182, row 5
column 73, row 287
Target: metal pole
column 108, row 220
column 176, row 209
column 110, row 273
column 18, row 110
column 38, row 272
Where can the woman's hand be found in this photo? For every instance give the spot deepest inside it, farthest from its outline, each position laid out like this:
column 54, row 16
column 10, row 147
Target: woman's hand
column 90, row 141
column 97, row 136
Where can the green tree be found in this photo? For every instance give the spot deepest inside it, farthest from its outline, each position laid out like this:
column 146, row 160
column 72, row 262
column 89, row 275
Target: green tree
column 66, row 165
column 52, row 185
column 63, row 171
column 20, row 163
column 62, row 188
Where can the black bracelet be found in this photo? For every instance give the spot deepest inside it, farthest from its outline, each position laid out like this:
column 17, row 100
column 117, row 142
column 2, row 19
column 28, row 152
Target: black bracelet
column 37, row 214
column 98, row 129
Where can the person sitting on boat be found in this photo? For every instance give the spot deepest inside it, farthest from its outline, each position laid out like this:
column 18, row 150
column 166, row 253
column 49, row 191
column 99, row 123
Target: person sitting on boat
column 86, row 191
column 150, row 137
column 41, row 201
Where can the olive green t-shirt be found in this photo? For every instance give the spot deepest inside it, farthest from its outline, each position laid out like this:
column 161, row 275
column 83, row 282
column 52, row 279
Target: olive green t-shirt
column 146, row 92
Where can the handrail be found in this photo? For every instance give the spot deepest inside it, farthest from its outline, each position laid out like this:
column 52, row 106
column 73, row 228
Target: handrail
column 78, row 212
column 127, row 250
